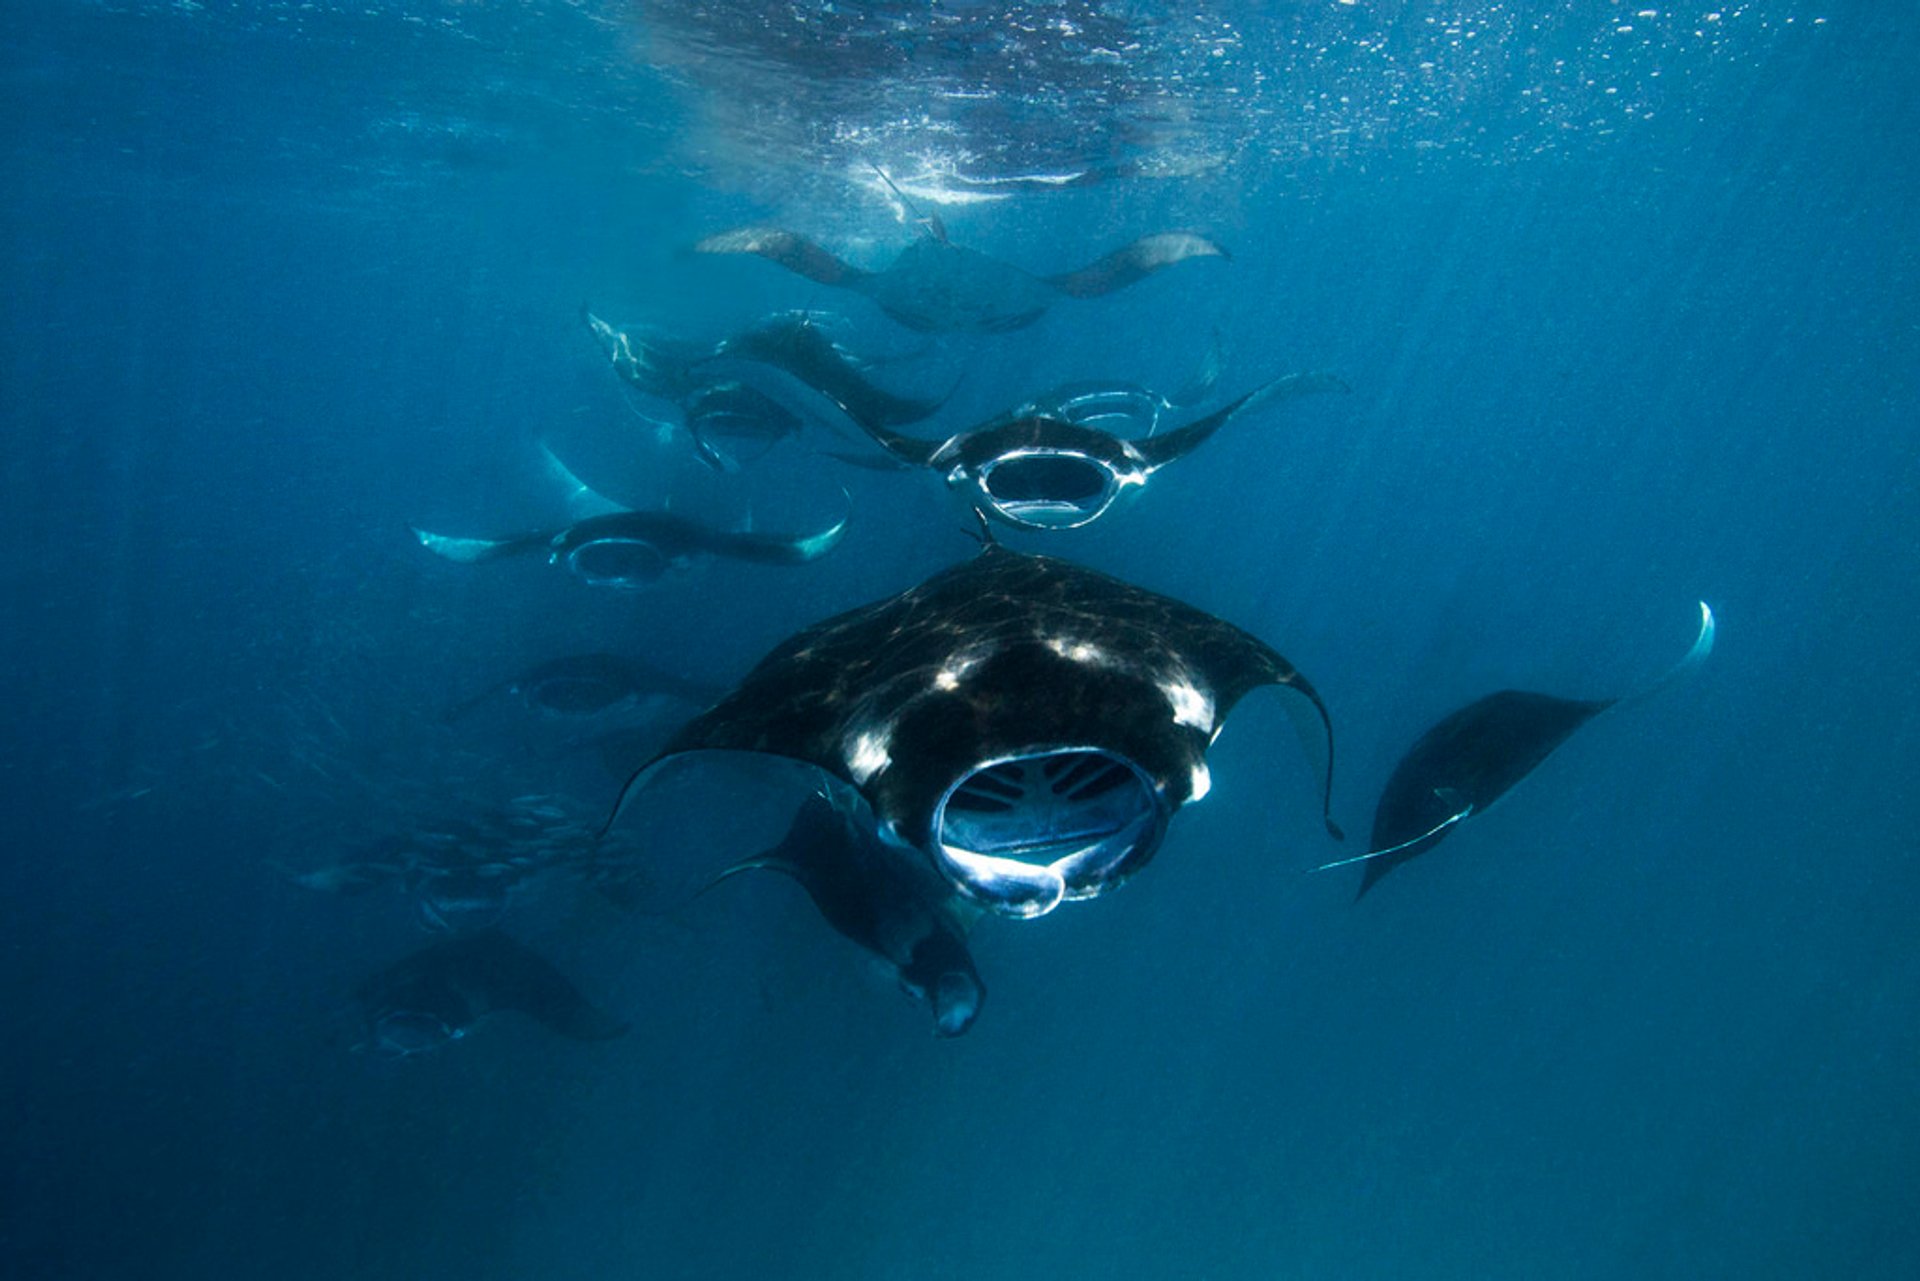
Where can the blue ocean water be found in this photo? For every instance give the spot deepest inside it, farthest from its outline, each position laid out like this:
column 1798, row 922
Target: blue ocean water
column 1626, row 299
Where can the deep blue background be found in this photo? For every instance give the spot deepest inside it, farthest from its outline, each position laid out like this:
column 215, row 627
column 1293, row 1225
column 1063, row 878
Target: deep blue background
column 277, row 284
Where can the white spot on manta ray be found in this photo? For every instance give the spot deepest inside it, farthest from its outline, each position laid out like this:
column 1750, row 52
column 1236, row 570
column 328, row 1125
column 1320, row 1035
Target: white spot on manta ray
column 1192, row 706
column 1202, row 781
column 949, row 677
column 867, row 755
column 1079, row 651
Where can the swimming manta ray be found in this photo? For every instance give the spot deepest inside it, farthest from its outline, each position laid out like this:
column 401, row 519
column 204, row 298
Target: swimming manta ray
column 585, row 685
column 1027, row 724
column 436, row 996
column 1047, row 466
column 617, row 547
column 937, row 287
column 741, row 396
column 1474, row 756
column 886, row 899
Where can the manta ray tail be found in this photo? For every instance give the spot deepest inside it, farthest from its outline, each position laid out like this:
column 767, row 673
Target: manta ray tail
column 791, row 250
column 471, row 551
column 1135, row 262
column 1687, row 666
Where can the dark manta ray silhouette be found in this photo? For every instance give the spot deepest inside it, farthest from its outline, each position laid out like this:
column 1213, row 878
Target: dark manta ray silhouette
column 1028, row 724
column 1044, row 466
column 437, row 995
column 741, row 396
column 587, row 685
column 792, row 361
column 887, row 900
column 935, row 286
column 633, row 549
column 1476, row 755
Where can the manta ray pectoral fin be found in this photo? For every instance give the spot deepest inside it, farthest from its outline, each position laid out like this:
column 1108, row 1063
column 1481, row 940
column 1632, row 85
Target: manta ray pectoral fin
column 1462, row 809
column 611, row 340
column 1689, row 663
column 583, row 501
column 1315, row 729
column 471, row 551
column 757, row 863
column 817, row 545
column 1135, row 262
column 1312, row 383
column 791, row 250
column 1158, row 451
column 774, row 549
column 635, row 784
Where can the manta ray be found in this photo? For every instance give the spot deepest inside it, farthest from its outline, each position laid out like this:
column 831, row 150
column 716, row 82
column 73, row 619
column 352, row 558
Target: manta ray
column 1049, row 465
column 739, row 397
column 1472, row 757
column 935, row 286
column 583, row 685
column 887, row 900
column 618, row 547
column 1027, row 724
column 437, row 996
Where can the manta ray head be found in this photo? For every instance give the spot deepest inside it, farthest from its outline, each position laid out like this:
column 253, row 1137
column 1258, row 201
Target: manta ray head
column 1042, row 772
column 628, row 563
column 1044, row 488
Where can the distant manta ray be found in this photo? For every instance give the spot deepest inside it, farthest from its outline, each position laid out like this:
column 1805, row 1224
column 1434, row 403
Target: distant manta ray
column 631, row 549
column 935, row 286
column 1474, row 756
column 1047, row 466
column 437, row 995
column 741, row 396
column 583, row 685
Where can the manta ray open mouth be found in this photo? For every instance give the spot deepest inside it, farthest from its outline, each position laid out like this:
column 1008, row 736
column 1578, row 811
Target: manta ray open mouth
column 1119, row 411
column 1053, row 489
column 618, row 562
column 1023, row 833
